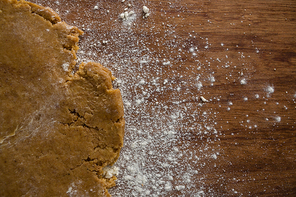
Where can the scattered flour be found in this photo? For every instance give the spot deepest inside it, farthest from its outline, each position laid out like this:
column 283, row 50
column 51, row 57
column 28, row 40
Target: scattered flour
column 199, row 85
column 180, row 187
column 168, row 186
column 69, row 190
column 278, row 118
column 269, row 90
column 243, row 81
column 65, row 66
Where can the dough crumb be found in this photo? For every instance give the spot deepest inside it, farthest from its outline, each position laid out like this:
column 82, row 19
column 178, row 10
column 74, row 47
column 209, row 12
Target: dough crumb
column 203, row 99
column 146, row 11
column 126, row 15
column 110, row 171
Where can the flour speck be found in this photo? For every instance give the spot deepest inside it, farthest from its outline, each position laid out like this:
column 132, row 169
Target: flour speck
column 243, row 81
column 269, row 90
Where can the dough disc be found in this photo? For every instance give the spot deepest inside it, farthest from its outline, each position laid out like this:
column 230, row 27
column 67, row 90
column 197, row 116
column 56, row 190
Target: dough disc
column 58, row 129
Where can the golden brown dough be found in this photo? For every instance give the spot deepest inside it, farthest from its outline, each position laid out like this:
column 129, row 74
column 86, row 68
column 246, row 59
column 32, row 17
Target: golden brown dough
column 58, row 129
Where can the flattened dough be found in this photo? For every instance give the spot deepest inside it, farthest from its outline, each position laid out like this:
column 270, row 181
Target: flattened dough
column 57, row 129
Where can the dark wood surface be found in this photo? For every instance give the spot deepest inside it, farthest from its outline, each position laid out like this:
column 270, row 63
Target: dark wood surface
column 243, row 53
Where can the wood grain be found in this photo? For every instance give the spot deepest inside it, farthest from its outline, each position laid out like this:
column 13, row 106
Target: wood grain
column 234, row 40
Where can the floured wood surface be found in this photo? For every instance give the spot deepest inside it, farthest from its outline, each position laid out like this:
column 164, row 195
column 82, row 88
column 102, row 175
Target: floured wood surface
column 238, row 55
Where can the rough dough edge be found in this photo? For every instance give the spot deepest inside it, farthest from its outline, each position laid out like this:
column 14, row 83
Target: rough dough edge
column 47, row 14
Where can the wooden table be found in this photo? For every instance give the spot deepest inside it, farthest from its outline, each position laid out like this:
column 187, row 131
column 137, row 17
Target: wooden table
column 239, row 56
